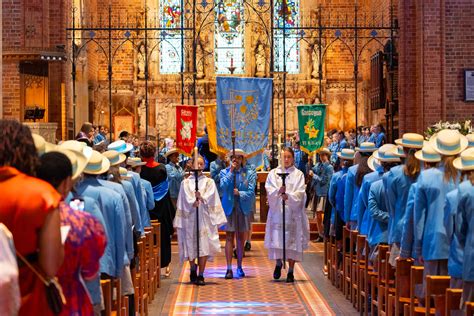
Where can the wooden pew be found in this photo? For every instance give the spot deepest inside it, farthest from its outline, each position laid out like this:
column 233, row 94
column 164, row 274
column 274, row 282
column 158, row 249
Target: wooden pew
column 377, row 279
column 436, row 286
column 416, row 278
column 402, row 279
column 453, row 300
column 469, row 308
column 107, row 295
column 157, row 251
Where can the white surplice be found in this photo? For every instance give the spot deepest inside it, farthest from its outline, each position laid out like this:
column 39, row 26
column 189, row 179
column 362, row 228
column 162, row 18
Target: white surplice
column 297, row 224
column 211, row 216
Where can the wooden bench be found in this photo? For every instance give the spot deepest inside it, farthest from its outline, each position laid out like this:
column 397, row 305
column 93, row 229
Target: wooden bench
column 453, row 300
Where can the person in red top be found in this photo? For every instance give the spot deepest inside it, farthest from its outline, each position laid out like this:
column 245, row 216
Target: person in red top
column 86, row 240
column 29, row 209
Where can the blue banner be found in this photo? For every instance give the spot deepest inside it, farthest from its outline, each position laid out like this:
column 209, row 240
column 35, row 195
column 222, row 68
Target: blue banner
column 243, row 105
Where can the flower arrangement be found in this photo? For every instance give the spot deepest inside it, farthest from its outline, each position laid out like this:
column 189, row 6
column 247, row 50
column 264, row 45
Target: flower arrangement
column 464, row 127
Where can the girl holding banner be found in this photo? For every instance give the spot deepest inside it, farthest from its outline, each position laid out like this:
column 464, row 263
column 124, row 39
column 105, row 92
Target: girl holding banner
column 237, row 183
column 295, row 222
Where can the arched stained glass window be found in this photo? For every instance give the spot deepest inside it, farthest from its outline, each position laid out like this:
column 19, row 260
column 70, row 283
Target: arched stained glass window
column 170, row 39
column 229, row 48
column 287, row 15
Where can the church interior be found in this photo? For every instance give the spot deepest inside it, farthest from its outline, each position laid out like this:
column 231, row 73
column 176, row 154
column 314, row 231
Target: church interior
column 125, row 65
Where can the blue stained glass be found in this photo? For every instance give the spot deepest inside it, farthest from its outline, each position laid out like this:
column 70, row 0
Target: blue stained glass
column 229, row 37
column 170, row 40
column 287, row 14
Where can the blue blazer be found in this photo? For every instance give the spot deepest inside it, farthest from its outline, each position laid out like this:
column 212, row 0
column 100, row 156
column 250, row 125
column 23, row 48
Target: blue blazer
column 453, row 223
column 321, row 178
column 351, row 196
column 378, row 222
column 406, row 245
column 363, row 200
column 246, row 180
column 466, row 236
column 175, row 177
column 431, row 239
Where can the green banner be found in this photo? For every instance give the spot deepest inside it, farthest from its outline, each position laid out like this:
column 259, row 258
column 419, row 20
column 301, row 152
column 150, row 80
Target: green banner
column 311, row 126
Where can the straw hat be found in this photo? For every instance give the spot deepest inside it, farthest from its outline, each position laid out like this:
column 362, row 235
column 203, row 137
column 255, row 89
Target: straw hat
column 324, row 150
column 398, row 151
column 448, row 142
column 98, row 164
column 171, row 151
column 114, row 157
column 120, row 146
column 42, row 146
column 76, row 146
column 135, row 162
column 124, row 175
column 410, row 140
column 470, row 140
column 346, row 154
column 428, row 154
column 373, row 163
column 366, row 147
column 385, row 154
column 77, row 159
column 238, row 152
column 465, row 161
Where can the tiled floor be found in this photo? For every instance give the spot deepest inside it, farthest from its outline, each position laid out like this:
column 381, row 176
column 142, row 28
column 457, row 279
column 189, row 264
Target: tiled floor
column 255, row 294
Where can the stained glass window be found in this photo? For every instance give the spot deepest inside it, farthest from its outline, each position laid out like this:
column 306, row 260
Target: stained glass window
column 170, row 39
column 229, row 37
column 287, row 14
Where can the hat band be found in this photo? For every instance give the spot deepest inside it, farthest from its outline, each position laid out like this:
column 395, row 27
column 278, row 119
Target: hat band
column 94, row 166
column 120, row 148
column 448, row 147
column 387, row 156
column 346, row 156
column 412, row 142
column 430, row 156
column 114, row 160
column 471, row 144
column 467, row 162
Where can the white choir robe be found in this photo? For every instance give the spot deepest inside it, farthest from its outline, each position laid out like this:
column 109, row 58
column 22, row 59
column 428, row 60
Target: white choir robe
column 297, row 224
column 211, row 216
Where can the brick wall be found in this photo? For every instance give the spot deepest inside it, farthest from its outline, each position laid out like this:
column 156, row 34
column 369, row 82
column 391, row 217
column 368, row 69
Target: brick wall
column 436, row 45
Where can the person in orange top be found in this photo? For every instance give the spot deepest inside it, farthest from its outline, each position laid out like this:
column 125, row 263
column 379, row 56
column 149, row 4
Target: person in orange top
column 29, row 209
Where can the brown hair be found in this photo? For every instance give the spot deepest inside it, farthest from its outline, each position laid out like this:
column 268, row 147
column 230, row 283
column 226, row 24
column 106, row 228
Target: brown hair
column 86, row 127
column 290, row 150
column 114, row 172
column 412, row 165
column 450, row 173
column 362, row 169
column 147, row 149
column 17, row 148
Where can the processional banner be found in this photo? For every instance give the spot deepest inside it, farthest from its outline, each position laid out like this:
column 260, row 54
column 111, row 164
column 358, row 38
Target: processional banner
column 311, row 127
column 243, row 106
column 186, row 126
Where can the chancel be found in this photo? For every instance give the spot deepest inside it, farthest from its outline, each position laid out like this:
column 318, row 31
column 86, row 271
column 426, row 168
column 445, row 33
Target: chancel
column 309, row 157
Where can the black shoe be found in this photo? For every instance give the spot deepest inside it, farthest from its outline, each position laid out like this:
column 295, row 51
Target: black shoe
column 235, row 253
column 319, row 239
column 248, row 246
column 229, row 275
column 277, row 272
column 200, row 280
column 240, row 272
column 290, row 278
column 193, row 276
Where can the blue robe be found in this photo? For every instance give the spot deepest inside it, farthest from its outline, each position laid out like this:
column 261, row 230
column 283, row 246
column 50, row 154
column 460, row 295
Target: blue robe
column 431, row 239
column 363, row 200
column 466, row 236
column 378, row 221
column 397, row 185
column 351, row 196
column 322, row 174
column 407, row 242
column 111, row 206
column 175, row 177
column 216, row 167
column 246, row 180
column 134, row 208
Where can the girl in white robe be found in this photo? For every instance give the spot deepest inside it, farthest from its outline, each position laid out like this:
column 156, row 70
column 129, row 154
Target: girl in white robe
column 297, row 224
column 211, row 216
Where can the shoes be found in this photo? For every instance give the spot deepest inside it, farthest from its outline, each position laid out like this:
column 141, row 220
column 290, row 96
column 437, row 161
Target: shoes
column 319, row 239
column 193, row 276
column 290, row 278
column 240, row 272
column 235, row 253
column 229, row 275
column 167, row 271
column 248, row 246
column 200, row 280
column 277, row 272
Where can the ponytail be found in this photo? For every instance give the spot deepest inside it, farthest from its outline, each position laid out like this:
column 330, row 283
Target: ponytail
column 450, row 173
column 412, row 165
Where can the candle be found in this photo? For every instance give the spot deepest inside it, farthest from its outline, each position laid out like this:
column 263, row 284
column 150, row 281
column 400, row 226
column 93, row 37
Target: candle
column 279, row 139
column 314, row 158
column 195, row 158
column 282, row 159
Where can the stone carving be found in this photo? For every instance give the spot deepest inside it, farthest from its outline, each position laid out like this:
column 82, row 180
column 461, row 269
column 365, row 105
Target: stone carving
column 141, row 62
column 201, row 56
column 260, row 60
